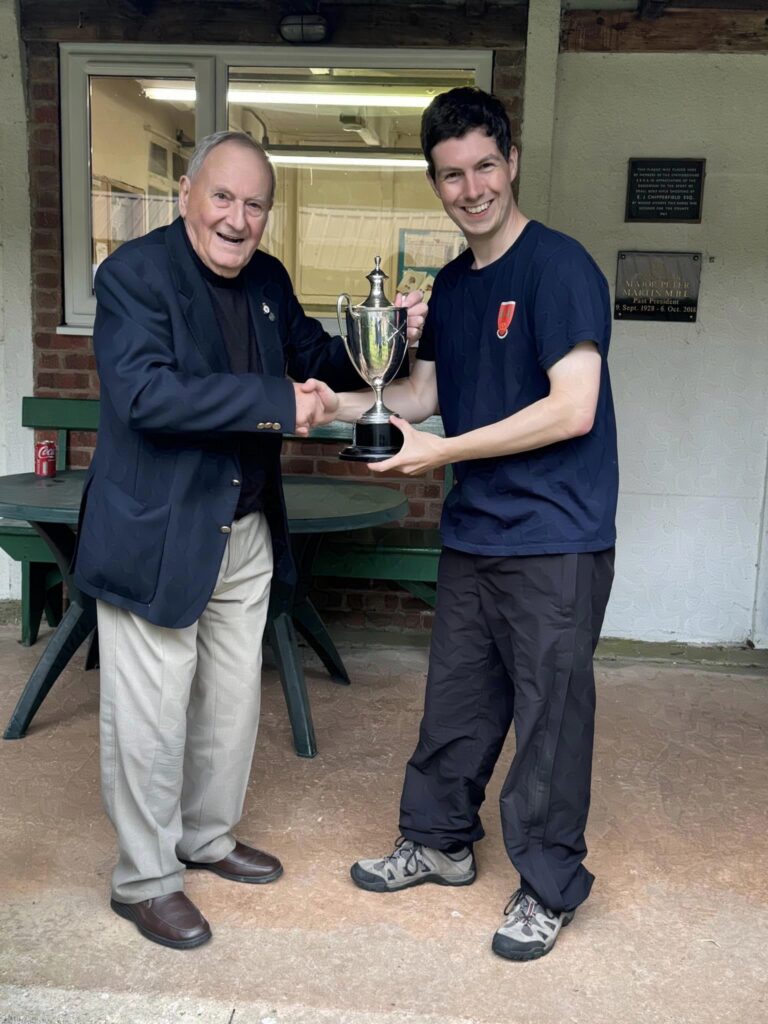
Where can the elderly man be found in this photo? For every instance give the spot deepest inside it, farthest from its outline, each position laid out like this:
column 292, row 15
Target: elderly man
column 183, row 522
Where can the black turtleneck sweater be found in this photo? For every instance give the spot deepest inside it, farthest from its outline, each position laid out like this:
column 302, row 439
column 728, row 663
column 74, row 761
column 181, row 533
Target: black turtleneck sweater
column 230, row 304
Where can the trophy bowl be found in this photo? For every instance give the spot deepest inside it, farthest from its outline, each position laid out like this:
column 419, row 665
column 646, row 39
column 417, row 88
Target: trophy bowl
column 375, row 335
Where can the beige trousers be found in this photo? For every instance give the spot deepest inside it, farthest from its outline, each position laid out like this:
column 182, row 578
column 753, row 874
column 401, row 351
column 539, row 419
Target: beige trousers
column 179, row 716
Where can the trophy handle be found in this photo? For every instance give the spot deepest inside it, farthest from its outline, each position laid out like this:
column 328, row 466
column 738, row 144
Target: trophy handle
column 340, row 311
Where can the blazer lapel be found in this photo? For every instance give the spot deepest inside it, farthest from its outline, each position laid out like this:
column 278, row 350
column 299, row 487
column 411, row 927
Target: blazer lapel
column 195, row 301
column 263, row 301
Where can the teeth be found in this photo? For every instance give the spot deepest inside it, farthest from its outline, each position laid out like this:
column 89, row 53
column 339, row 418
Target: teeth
column 479, row 209
column 228, row 238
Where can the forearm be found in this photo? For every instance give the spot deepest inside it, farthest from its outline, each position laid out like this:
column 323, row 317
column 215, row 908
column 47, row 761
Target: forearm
column 402, row 397
column 545, row 422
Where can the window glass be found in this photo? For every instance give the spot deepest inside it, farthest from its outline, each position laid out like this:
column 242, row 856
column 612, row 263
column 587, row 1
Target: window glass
column 350, row 174
column 142, row 132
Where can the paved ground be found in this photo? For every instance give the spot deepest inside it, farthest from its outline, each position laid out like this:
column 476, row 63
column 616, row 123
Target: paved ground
column 676, row 930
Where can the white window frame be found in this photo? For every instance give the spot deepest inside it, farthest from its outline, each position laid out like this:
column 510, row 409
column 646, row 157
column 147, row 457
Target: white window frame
column 209, row 66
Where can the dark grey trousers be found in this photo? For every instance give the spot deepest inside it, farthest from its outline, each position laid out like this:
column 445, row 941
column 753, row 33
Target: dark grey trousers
column 513, row 639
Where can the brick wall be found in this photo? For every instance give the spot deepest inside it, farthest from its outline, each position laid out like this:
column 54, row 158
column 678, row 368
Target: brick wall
column 64, row 364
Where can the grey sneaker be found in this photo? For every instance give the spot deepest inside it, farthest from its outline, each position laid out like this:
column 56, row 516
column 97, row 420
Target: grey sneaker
column 412, row 864
column 530, row 930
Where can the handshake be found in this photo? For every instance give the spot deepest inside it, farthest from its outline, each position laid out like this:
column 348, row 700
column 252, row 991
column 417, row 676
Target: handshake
column 316, row 404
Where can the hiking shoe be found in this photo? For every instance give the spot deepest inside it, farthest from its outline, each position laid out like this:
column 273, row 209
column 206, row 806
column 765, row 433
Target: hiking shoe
column 530, row 930
column 412, row 864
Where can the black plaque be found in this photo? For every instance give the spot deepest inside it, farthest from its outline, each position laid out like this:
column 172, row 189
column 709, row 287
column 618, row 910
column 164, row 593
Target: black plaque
column 657, row 286
column 665, row 190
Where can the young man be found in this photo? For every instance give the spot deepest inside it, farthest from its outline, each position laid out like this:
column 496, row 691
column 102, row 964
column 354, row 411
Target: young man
column 514, row 355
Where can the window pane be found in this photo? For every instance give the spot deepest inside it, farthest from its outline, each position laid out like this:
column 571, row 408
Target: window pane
column 350, row 174
column 142, row 133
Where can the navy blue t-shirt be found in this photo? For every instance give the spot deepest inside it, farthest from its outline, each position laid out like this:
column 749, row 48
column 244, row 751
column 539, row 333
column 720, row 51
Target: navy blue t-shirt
column 548, row 500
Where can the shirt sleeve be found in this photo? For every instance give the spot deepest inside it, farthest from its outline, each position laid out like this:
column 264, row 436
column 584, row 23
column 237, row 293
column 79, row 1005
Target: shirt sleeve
column 572, row 304
column 426, row 346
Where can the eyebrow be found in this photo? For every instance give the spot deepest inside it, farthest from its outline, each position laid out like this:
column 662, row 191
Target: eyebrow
column 225, row 188
column 482, row 160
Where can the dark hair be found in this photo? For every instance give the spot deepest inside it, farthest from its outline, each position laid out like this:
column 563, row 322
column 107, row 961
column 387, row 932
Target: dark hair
column 452, row 114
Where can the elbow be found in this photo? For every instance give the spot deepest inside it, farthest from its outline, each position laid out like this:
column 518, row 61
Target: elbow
column 579, row 421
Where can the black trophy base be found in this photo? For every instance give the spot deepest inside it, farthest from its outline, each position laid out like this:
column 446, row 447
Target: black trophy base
column 374, row 442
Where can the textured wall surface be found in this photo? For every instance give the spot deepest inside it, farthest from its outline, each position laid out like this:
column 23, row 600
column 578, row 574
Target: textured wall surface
column 15, row 319
column 691, row 398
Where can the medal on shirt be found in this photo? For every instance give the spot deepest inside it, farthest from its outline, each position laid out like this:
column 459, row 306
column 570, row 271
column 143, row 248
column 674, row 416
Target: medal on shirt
column 504, row 318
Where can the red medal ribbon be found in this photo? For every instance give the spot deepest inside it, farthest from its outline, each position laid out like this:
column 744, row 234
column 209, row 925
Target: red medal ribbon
column 504, row 319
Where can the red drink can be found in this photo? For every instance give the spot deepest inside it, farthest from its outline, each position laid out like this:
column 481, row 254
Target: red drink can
column 45, row 458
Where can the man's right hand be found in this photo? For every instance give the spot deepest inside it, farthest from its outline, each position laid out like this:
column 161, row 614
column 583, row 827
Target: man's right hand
column 315, row 404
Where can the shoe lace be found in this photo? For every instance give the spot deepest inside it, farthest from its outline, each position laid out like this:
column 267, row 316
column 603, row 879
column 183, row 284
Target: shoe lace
column 521, row 907
column 407, row 850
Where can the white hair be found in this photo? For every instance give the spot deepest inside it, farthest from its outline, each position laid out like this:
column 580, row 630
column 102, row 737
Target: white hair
column 210, row 142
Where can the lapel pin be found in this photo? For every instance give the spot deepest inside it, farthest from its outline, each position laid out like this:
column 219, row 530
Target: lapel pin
column 265, row 309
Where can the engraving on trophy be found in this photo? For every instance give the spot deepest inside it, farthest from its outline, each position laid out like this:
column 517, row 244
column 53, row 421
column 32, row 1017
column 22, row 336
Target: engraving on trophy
column 375, row 335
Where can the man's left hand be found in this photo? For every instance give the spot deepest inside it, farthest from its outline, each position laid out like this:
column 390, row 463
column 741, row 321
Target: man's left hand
column 417, row 313
column 420, row 452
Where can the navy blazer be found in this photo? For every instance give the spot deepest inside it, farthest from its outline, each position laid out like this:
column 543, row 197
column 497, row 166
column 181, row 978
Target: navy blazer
column 165, row 476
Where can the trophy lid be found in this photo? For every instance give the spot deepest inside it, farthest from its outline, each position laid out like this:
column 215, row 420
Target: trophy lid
column 376, row 298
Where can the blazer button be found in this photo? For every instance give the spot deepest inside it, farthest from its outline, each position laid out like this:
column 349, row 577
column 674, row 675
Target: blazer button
column 235, row 482
column 268, row 426
column 225, row 529
column 277, row 426
column 259, row 426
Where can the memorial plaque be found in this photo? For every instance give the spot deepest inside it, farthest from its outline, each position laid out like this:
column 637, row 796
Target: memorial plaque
column 657, row 286
column 665, row 190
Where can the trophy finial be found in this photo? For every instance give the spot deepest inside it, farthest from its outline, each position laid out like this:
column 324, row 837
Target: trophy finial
column 376, row 298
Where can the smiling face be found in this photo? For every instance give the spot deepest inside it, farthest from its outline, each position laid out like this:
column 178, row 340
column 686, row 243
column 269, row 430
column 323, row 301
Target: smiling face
column 226, row 205
column 473, row 181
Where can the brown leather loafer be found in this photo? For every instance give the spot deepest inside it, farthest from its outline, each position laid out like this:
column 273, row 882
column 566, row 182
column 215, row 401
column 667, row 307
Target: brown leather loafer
column 244, row 864
column 171, row 920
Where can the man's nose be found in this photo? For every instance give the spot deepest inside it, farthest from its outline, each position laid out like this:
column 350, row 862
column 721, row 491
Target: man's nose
column 236, row 216
column 473, row 186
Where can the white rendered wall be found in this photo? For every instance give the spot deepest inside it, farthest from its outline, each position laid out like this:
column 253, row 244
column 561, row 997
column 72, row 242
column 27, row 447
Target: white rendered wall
column 691, row 399
column 15, row 284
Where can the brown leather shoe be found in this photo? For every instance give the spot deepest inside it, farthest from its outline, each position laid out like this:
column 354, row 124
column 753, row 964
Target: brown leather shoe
column 171, row 920
column 244, row 864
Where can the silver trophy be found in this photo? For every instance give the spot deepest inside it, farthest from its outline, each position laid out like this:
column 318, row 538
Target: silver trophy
column 375, row 335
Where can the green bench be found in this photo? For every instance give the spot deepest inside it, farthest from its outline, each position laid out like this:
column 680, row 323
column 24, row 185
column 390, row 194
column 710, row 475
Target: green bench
column 41, row 591
column 405, row 555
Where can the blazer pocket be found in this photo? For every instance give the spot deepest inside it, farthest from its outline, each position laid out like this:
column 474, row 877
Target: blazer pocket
column 121, row 542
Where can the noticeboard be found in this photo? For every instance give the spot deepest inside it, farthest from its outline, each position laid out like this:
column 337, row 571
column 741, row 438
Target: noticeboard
column 665, row 190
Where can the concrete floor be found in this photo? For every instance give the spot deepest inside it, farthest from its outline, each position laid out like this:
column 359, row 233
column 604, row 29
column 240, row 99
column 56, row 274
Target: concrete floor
column 676, row 929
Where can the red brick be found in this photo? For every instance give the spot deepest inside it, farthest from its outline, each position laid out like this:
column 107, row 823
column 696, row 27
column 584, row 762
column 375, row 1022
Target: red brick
column 43, row 69
column 44, row 240
column 47, row 261
column 79, row 361
column 46, row 284
column 80, row 459
column 73, row 342
column 44, row 136
column 44, row 90
column 68, row 381
column 45, row 113
column 47, row 320
column 82, row 438
column 49, row 361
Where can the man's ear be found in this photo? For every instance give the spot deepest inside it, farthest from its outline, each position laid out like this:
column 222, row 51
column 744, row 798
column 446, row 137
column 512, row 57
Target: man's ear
column 184, row 184
column 514, row 161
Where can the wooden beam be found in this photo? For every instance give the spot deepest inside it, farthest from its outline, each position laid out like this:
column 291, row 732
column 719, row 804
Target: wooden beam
column 248, row 22
column 677, row 31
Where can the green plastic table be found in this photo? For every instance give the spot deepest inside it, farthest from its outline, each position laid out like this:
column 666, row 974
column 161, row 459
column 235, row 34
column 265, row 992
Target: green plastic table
column 316, row 505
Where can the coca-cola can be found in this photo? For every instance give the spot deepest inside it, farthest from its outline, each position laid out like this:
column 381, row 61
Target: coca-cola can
column 45, row 458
